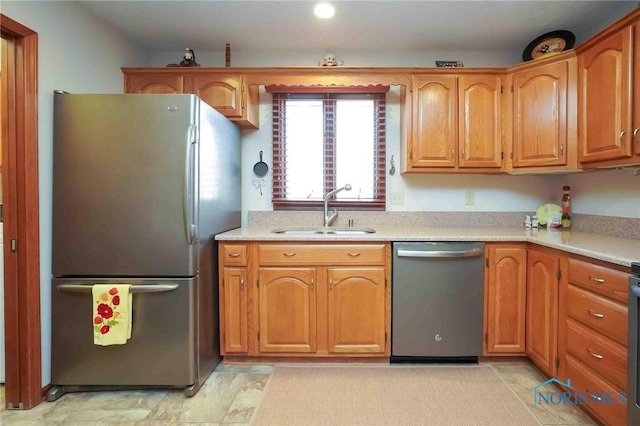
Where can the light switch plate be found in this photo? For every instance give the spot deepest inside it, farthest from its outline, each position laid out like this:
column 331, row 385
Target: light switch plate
column 397, row 198
column 469, row 198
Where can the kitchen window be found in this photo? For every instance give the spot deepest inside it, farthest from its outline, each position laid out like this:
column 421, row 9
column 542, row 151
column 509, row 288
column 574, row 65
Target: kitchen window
column 325, row 139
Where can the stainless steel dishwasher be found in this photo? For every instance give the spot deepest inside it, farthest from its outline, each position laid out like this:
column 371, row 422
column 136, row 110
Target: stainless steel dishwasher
column 437, row 301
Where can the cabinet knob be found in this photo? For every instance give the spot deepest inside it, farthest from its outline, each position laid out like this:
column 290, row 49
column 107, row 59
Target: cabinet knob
column 561, row 149
column 635, row 134
column 623, row 135
column 242, row 284
column 312, row 283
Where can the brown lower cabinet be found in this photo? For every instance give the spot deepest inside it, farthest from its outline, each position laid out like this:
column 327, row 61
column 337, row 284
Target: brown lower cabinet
column 592, row 336
column 505, row 298
column 543, row 276
column 287, row 310
column 305, row 300
column 566, row 312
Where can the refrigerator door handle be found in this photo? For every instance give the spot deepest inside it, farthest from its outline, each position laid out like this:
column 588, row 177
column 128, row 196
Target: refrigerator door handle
column 86, row 288
column 188, row 190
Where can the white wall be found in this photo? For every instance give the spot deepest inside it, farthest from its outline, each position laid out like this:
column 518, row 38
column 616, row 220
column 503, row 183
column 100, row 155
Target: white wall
column 309, row 58
column 604, row 192
column 77, row 53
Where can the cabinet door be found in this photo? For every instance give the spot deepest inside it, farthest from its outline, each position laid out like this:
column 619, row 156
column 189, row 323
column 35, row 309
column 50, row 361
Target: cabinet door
column 356, row 306
column 479, row 117
column 434, row 122
column 542, row 310
column 636, row 92
column 287, row 309
column 506, row 299
column 540, row 97
column 605, row 99
column 152, row 84
column 224, row 93
column 235, row 310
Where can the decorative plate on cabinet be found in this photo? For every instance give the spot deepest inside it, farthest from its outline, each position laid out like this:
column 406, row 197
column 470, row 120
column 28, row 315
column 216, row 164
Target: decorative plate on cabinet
column 549, row 44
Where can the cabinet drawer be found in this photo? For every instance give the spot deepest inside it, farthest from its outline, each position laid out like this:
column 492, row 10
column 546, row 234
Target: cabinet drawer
column 600, row 397
column 599, row 313
column 599, row 279
column 234, row 254
column 604, row 356
column 317, row 254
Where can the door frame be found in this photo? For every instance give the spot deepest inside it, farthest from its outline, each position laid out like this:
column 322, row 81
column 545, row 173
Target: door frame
column 23, row 358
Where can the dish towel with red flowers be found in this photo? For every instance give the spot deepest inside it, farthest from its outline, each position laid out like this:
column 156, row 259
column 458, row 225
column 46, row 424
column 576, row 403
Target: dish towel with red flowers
column 111, row 314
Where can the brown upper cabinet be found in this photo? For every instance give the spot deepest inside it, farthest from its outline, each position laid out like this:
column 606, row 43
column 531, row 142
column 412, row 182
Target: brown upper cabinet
column 153, row 84
column 609, row 96
column 227, row 93
column 605, row 98
column 455, row 123
column 544, row 127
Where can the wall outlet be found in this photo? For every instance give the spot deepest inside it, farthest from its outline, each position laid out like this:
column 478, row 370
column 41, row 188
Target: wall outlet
column 469, row 198
column 397, row 198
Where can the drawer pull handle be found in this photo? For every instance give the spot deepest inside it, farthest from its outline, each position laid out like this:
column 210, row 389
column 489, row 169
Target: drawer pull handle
column 354, row 254
column 595, row 355
column 289, row 253
column 598, row 280
column 234, row 254
column 595, row 314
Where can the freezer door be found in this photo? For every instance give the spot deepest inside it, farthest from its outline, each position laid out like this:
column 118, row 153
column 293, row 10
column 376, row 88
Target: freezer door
column 125, row 185
column 162, row 350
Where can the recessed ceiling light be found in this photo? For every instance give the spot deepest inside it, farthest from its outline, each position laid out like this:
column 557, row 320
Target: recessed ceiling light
column 324, row 10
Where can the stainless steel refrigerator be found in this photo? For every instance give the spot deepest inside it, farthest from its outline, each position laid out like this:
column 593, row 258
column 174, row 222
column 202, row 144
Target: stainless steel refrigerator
column 141, row 184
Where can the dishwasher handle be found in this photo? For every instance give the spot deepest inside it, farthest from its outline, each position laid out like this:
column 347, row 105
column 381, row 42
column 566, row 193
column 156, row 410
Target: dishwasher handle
column 440, row 253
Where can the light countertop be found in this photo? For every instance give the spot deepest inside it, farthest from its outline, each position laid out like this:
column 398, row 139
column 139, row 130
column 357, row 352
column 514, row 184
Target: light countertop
column 620, row 251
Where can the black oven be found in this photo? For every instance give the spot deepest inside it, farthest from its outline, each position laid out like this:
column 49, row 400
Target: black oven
column 633, row 388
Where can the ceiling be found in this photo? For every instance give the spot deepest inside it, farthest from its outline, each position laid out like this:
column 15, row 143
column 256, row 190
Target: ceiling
column 357, row 25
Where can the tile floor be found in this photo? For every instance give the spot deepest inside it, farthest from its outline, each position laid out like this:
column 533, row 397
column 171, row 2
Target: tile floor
column 229, row 397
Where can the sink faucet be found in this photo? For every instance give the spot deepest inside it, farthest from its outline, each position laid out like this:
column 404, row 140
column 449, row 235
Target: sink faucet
column 330, row 218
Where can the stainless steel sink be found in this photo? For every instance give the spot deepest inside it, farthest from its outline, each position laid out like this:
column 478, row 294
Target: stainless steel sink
column 324, row 231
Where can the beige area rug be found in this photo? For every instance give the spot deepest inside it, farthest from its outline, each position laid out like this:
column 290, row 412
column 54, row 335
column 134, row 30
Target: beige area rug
column 389, row 395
